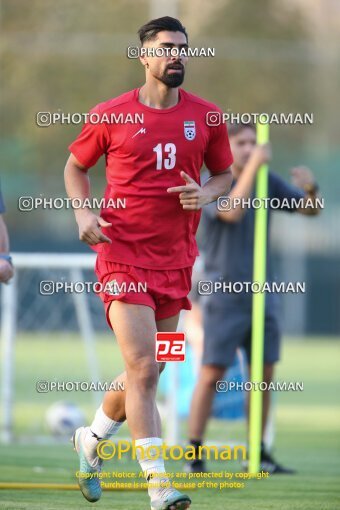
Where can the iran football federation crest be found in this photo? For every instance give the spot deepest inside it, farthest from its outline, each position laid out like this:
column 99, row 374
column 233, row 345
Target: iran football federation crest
column 189, row 130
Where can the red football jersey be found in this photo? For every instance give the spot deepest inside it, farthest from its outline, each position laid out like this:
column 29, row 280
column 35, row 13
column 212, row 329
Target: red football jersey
column 142, row 162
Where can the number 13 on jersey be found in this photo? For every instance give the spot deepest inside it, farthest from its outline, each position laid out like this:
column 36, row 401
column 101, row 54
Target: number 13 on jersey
column 166, row 158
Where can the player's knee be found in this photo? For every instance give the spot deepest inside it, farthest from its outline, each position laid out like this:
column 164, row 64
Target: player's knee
column 210, row 375
column 144, row 373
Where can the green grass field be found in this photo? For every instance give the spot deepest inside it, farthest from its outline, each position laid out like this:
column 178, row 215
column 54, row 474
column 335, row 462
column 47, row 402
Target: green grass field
column 307, row 425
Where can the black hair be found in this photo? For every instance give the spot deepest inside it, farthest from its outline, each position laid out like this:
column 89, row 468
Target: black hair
column 150, row 30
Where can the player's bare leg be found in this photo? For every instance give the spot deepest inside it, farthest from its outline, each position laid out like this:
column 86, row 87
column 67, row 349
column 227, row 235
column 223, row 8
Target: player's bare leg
column 135, row 329
column 202, row 399
column 169, row 324
column 267, row 461
column 268, row 372
column 114, row 400
column 200, row 409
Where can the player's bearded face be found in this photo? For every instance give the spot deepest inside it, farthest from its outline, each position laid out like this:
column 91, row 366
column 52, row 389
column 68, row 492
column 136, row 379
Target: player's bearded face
column 168, row 68
column 173, row 75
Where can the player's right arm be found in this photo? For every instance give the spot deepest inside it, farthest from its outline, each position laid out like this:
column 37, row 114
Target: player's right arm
column 77, row 184
column 245, row 184
column 89, row 146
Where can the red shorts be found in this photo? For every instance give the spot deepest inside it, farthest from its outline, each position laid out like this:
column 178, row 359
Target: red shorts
column 164, row 291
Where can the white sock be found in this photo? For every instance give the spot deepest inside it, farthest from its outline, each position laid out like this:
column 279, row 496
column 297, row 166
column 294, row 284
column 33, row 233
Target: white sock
column 151, row 466
column 102, row 427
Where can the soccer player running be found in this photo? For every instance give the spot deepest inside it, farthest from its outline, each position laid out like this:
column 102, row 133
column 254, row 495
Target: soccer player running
column 155, row 167
column 228, row 255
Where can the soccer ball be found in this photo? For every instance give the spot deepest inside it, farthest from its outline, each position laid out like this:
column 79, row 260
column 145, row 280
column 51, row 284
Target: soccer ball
column 63, row 418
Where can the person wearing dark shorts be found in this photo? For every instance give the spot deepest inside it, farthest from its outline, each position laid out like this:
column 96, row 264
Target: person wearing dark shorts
column 228, row 240
column 227, row 326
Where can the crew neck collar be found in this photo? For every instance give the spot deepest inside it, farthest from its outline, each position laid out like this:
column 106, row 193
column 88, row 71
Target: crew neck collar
column 159, row 110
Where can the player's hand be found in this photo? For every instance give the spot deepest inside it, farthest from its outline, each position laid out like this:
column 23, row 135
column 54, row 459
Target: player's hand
column 302, row 176
column 191, row 196
column 89, row 227
column 6, row 271
column 260, row 155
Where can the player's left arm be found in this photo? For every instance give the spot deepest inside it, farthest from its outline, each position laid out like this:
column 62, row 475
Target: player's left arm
column 303, row 178
column 193, row 197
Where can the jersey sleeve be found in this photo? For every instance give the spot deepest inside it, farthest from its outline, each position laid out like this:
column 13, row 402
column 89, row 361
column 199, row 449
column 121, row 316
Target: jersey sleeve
column 281, row 190
column 218, row 156
column 93, row 140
